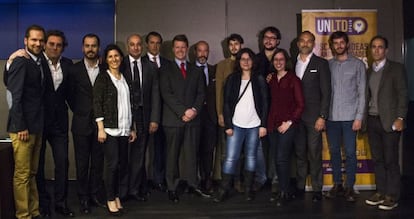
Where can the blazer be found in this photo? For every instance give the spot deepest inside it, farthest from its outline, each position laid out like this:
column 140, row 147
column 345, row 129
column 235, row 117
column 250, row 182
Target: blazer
column 80, row 100
column 210, row 98
column 25, row 82
column 392, row 94
column 179, row 94
column 150, row 90
column 316, row 86
column 232, row 92
column 55, row 100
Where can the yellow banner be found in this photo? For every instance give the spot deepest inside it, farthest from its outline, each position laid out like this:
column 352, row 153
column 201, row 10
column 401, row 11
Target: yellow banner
column 361, row 26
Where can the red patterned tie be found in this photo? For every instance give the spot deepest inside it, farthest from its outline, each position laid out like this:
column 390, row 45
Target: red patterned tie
column 183, row 71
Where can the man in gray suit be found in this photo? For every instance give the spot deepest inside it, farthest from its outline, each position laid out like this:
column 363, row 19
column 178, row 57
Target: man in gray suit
column 316, row 82
column 388, row 104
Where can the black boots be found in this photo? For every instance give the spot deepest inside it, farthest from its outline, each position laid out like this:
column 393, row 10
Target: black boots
column 248, row 182
column 224, row 188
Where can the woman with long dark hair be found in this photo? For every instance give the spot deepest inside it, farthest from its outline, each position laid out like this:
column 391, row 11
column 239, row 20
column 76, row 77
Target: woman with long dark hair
column 112, row 111
column 245, row 113
column 286, row 107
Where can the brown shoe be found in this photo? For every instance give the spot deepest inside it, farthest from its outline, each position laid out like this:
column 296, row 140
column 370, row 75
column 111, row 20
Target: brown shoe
column 375, row 199
column 388, row 204
column 336, row 190
column 350, row 195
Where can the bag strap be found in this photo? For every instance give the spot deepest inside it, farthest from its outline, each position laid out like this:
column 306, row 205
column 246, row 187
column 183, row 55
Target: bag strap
column 244, row 91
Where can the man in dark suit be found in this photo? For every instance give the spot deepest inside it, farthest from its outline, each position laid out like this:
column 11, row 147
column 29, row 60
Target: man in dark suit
column 25, row 87
column 88, row 151
column 56, row 123
column 316, row 83
column 182, row 88
column 387, row 109
column 208, row 115
column 156, row 142
column 142, row 78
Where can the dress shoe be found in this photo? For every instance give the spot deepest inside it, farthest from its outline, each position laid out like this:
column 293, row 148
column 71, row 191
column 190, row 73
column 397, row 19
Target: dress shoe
column 95, row 202
column 198, row 192
column 45, row 212
column 317, row 196
column 350, row 195
column 84, row 207
column 64, row 211
column 138, row 198
column 336, row 190
column 172, row 195
column 160, row 187
column 114, row 213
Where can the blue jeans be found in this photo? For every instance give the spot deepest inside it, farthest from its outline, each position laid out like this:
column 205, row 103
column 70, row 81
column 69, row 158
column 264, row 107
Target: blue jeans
column 339, row 132
column 283, row 144
column 250, row 137
column 260, row 176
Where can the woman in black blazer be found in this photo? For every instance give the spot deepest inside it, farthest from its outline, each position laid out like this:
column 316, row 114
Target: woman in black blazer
column 112, row 111
column 245, row 113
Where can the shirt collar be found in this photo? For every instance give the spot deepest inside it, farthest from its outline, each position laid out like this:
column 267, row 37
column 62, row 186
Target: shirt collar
column 379, row 66
column 307, row 58
column 132, row 59
column 179, row 62
column 50, row 61
column 34, row 57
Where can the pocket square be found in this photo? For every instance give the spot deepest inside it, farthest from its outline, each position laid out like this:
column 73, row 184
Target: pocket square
column 313, row 70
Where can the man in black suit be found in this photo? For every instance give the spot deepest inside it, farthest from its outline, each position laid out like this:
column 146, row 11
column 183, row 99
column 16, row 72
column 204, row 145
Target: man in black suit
column 142, row 78
column 25, row 87
column 182, row 88
column 56, row 123
column 156, row 142
column 388, row 104
column 316, row 83
column 208, row 115
column 88, row 151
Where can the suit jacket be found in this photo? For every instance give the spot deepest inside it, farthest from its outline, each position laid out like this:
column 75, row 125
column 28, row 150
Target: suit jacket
column 55, row 100
column 179, row 94
column 392, row 94
column 80, row 100
column 316, row 85
column 163, row 61
column 223, row 69
column 150, row 90
column 210, row 98
column 25, row 82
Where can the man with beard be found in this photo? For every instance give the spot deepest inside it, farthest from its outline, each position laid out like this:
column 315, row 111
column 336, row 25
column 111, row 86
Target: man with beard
column 316, row 84
column 88, row 151
column 223, row 70
column 208, row 116
column 270, row 38
column 346, row 112
column 25, row 86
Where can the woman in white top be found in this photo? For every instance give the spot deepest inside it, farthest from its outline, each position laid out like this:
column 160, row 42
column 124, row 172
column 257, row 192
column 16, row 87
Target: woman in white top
column 245, row 112
column 112, row 111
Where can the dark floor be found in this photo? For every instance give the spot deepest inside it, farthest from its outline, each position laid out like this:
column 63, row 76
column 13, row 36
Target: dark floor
column 191, row 207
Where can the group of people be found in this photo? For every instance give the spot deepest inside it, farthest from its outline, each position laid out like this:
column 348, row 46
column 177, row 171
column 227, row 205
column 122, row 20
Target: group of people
column 198, row 122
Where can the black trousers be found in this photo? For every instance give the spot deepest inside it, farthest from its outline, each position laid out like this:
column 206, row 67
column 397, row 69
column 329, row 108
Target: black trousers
column 58, row 140
column 116, row 164
column 384, row 148
column 182, row 144
column 308, row 151
column 159, row 155
column 208, row 141
column 137, row 171
column 89, row 165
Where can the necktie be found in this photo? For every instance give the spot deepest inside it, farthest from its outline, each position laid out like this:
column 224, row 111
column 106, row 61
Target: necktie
column 205, row 69
column 183, row 71
column 154, row 59
column 138, row 80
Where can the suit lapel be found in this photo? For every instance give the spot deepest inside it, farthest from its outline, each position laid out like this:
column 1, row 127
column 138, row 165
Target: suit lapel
column 308, row 68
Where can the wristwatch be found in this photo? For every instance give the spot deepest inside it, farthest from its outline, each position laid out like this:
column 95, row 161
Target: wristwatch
column 322, row 116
